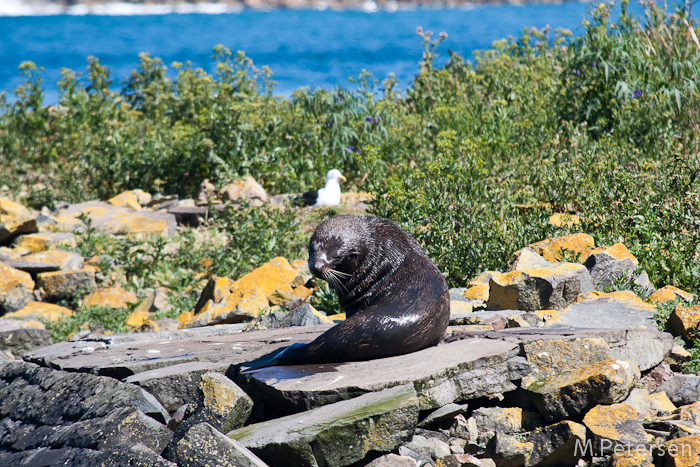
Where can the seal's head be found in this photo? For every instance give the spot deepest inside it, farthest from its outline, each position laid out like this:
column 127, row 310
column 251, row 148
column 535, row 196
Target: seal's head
column 336, row 249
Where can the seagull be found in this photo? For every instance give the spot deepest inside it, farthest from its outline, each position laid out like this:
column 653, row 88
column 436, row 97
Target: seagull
column 328, row 195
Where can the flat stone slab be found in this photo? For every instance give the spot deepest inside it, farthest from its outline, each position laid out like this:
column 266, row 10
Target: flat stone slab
column 606, row 313
column 451, row 372
column 123, row 355
column 338, row 434
column 644, row 347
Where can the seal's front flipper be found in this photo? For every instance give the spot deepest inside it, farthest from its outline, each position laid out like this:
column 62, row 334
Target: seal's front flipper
column 288, row 356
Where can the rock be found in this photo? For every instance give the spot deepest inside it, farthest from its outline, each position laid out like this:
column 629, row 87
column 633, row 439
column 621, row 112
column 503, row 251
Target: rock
column 574, row 247
column 685, row 322
column 338, row 434
column 14, row 324
column 682, row 452
column 175, row 385
column 479, row 292
column 41, row 311
column 156, row 301
column 484, row 278
column 112, row 297
column 11, row 210
column 246, row 189
column 636, row 457
column 426, row 450
column 556, row 444
column 22, row 340
column 122, row 426
column 220, row 403
column 506, row 420
column 548, row 357
column 552, row 287
column 276, row 274
column 21, row 225
column 668, row 293
column 661, row 404
column 608, row 263
column 614, row 427
column 526, row 258
column 642, row 285
column 203, row 445
column 64, row 284
column 453, row 372
column 571, row 394
column 49, row 260
column 464, row 460
column 509, row 450
column 682, row 389
column 167, row 324
column 641, row 402
column 656, row 377
column 266, row 321
column 690, row 413
column 305, row 315
column 233, row 308
column 117, row 220
column 138, row 318
column 39, row 242
column 132, row 199
column 446, row 412
column 191, row 216
column 393, row 460
column 15, row 289
column 564, row 219
column 615, row 310
column 525, row 320
column 677, row 357
column 645, row 348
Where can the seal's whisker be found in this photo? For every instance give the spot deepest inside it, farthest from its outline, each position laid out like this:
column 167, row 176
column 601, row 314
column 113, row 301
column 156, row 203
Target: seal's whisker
column 338, row 273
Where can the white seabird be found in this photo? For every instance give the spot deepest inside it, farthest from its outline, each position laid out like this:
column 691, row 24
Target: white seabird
column 328, row 195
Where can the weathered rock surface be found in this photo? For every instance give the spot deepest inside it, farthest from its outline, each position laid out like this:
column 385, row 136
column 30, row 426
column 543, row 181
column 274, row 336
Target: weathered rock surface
column 447, row 373
column 20, row 225
column 685, row 322
column 571, row 394
column 49, row 260
column 556, row 444
column 682, row 389
column 112, row 297
column 609, row 263
column 203, row 445
column 549, row 287
column 613, row 427
column 38, row 242
column 23, row 340
column 219, row 402
column 526, row 258
column 175, row 385
column 116, row 220
column 575, row 246
column 44, row 411
column 15, row 289
column 616, row 310
column 64, row 284
column 338, row 434
column 41, row 311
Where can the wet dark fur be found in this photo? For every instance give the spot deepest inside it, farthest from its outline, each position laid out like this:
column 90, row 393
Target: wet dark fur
column 395, row 299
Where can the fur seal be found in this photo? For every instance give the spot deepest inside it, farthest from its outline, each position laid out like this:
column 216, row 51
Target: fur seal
column 395, row 299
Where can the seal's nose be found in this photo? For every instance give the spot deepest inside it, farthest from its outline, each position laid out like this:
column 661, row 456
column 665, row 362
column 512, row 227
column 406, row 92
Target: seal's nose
column 317, row 263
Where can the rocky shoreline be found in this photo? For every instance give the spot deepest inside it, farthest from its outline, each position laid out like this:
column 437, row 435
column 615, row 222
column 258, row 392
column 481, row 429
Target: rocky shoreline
column 541, row 364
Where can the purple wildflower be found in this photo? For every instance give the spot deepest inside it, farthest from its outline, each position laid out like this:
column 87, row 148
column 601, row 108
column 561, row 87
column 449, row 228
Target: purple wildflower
column 358, row 151
column 638, row 93
column 368, row 119
column 376, row 120
column 578, row 73
column 340, row 97
column 350, row 149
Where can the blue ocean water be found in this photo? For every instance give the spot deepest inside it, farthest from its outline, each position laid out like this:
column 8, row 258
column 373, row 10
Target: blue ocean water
column 302, row 47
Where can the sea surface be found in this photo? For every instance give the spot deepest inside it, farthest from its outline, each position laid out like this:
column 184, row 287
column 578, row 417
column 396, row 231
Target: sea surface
column 318, row 49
